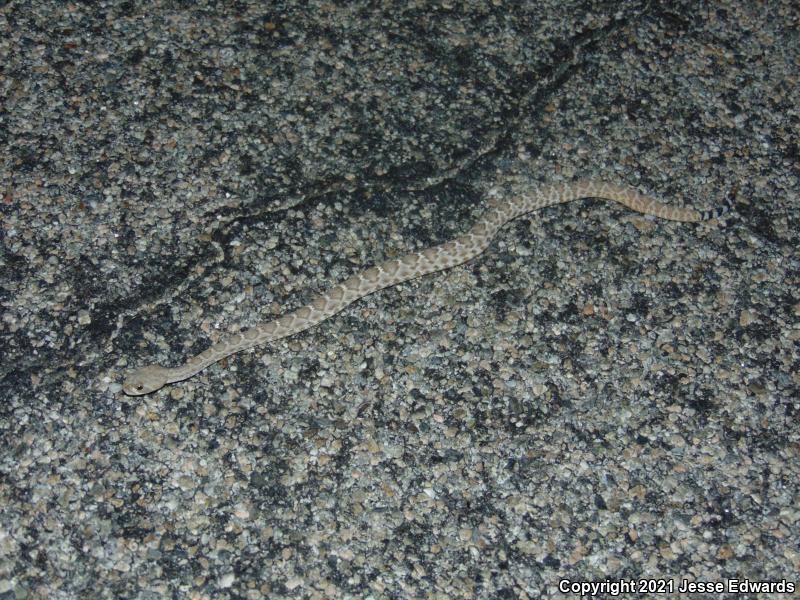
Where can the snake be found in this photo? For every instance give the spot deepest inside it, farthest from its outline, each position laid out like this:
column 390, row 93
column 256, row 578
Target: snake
column 461, row 249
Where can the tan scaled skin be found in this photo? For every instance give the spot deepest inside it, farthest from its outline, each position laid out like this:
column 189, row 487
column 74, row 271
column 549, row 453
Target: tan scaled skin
column 459, row 250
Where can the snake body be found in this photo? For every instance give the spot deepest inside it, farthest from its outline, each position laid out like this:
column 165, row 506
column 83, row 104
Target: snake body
column 391, row 272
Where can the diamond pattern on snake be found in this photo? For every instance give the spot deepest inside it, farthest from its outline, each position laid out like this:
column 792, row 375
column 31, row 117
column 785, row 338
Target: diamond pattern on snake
column 436, row 258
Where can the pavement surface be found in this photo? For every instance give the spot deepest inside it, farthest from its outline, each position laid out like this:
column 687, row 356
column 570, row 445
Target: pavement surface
column 600, row 398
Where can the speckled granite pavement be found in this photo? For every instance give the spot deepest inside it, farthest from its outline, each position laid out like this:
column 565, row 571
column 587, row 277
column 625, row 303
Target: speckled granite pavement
column 601, row 397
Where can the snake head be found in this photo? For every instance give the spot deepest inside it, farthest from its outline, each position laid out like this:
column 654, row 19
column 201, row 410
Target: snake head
column 145, row 380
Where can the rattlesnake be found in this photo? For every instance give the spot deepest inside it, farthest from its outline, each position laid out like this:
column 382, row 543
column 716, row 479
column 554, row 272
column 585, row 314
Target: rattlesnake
column 452, row 253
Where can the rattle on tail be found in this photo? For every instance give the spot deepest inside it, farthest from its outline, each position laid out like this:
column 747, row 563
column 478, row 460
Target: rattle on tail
column 459, row 250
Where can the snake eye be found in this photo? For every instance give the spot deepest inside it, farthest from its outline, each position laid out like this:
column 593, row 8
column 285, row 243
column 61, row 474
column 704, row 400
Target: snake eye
column 139, row 387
